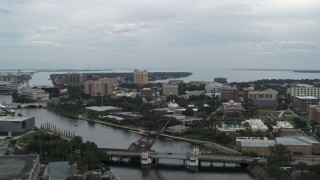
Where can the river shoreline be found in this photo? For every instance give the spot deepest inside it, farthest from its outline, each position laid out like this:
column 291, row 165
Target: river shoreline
column 207, row 144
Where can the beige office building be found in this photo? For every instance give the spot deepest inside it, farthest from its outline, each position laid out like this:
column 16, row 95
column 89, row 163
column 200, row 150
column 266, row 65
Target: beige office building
column 101, row 87
column 140, row 77
column 267, row 94
column 314, row 112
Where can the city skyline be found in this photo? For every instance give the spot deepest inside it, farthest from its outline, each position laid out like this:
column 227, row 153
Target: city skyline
column 148, row 34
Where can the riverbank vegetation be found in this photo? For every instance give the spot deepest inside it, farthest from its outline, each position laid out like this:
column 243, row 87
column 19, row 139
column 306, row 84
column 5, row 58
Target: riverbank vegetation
column 52, row 147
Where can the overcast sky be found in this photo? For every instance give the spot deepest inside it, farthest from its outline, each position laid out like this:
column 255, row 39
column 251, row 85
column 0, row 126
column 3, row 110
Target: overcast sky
column 160, row 33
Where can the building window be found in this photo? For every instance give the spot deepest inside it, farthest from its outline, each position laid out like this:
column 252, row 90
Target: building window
column 24, row 124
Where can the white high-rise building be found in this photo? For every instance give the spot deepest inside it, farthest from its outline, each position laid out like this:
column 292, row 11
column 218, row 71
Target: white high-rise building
column 303, row 90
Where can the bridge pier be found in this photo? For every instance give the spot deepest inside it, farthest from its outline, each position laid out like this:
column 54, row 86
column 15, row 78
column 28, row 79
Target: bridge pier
column 145, row 160
column 192, row 160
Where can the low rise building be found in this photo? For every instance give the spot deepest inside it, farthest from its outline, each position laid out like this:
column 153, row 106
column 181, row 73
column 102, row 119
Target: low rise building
column 178, row 129
column 284, row 125
column 20, row 167
column 314, row 112
column 102, row 110
column 184, row 120
column 115, row 119
column 256, row 125
column 231, row 106
column 258, row 146
column 146, row 93
column 266, row 104
column 126, row 94
column 170, row 89
column 230, row 93
column 193, row 93
column 16, row 125
column 189, row 120
column 267, row 94
column 213, row 87
column 33, row 93
column 296, row 145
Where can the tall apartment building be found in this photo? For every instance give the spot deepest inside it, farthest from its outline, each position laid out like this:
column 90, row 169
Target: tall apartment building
column 302, row 104
column 303, row 89
column 101, row 87
column 170, row 89
column 140, row 77
column 74, row 79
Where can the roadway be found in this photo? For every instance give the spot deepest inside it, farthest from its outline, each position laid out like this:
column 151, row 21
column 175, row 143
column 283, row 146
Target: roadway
column 201, row 157
column 310, row 160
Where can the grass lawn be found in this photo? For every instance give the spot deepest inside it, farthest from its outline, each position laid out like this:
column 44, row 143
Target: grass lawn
column 289, row 118
column 263, row 112
column 287, row 113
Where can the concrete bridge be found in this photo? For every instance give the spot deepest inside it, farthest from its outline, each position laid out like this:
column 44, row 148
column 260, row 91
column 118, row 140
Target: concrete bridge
column 191, row 159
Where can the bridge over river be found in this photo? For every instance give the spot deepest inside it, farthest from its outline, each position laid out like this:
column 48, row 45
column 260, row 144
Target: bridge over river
column 193, row 158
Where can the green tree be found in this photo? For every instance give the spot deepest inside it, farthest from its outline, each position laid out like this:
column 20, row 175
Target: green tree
column 252, row 111
column 302, row 166
column 188, row 112
column 299, row 123
column 279, row 155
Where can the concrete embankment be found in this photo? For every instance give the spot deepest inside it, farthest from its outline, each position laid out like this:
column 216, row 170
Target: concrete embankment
column 257, row 173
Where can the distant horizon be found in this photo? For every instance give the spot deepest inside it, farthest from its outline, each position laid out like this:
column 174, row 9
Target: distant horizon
column 112, row 69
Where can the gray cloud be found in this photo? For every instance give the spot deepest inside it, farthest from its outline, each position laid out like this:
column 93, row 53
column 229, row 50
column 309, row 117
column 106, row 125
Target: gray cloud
column 155, row 33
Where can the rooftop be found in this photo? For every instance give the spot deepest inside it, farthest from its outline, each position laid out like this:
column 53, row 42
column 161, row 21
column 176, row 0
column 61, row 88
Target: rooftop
column 103, row 108
column 257, row 124
column 16, row 167
column 306, row 97
column 284, row 124
column 306, row 139
column 291, row 141
column 178, row 127
column 115, row 117
column 14, row 118
column 256, row 143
